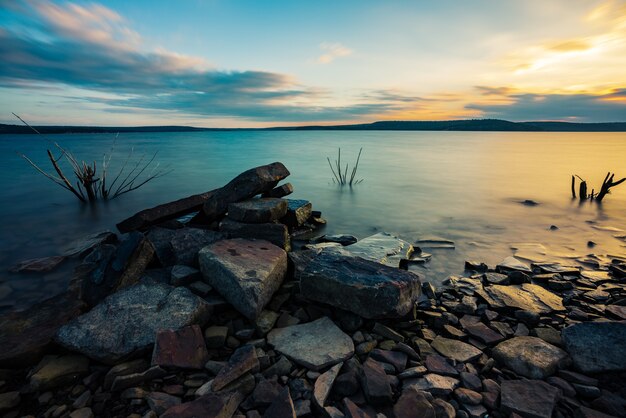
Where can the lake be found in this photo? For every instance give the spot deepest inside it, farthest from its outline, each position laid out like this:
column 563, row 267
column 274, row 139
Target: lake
column 463, row 186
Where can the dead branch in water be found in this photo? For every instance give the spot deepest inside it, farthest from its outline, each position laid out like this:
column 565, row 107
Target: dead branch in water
column 607, row 184
column 341, row 177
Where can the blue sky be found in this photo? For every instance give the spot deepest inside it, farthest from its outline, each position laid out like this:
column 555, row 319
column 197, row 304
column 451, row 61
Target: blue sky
column 252, row 63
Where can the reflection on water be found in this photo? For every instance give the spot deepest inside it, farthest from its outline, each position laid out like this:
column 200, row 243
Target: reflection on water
column 464, row 186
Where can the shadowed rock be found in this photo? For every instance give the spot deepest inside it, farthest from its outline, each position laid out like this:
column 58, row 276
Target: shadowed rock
column 596, row 346
column 213, row 405
column 258, row 210
column 183, row 348
column 276, row 233
column 528, row 398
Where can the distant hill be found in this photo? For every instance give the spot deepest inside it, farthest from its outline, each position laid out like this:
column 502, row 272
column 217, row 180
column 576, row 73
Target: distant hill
column 446, row 125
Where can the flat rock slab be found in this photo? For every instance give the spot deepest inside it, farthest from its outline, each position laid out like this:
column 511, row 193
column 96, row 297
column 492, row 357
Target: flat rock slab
column 258, row 211
column 527, row 297
column 127, row 321
column 276, row 233
column 512, row 264
column 382, row 248
column 530, row 356
column 528, row 398
column 456, row 350
column 85, row 244
column 436, row 384
column 213, row 405
column 183, row 348
column 245, row 272
column 596, row 346
column 243, row 360
column 315, row 345
column 365, row 287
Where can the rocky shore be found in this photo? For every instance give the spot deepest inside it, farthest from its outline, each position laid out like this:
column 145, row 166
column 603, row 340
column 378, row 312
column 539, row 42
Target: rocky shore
column 231, row 303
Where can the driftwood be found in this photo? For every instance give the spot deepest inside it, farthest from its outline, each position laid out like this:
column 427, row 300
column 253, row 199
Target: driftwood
column 607, row 184
column 604, row 190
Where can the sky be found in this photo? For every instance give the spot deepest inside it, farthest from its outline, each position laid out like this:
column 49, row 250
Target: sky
column 218, row 63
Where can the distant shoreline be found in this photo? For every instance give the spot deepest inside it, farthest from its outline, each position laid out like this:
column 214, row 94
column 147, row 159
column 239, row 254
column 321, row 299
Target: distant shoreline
column 479, row 125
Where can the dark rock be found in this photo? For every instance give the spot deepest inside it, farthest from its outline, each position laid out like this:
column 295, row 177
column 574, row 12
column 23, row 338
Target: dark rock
column 282, row 407
column 245, row 272
column 530, row 356
column 187, row 242
column 584, row 412
column 276, row 233
column 126, row 322
column 456, row 350
column 413, row 404
column 243, row 360
column 468, row 396
column 298, row 212
column 476, row 266
column 396, row 358
column 596, row 346
column 280, row 191
column 438, row 365
column 518, row 277
column 528, row 398
column 375, row 383
column 183, row 348
column 351, row 410
column 529, row 318
column 342, row 239
column 38, row 265
column 266, row 392
column 387, row 332
column 483, row 333
column 9, row 400
column 382, row 248
column 123, row 369
column 213, row 405
column 215, row 336
column 471, row 381
column 364, row 287
column 346, row 384
column 85, row 244
column 130, row 380
column 28, row 334
column 55, row 371
column 443, row 409
column 184, row 275
column 496, row 278
column 257, row 211
column 160, row 402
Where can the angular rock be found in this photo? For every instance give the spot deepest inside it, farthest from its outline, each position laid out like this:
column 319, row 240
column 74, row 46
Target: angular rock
column 456, row 350
column 512, row 264
column 396, row 358
column 182, row 275
column 82, row 413
column 26, row 335
column 596, row 347
column 258, row 211
column 127, row 321
column 245, row 272
column 351, row 410
column 215, row 336
column 280, row 191
column 134, row 379
column 342, row 239
column 375, row 383
column 438, row 365
column 483, row 333
column 183, row 348
column 433, row 383
column 364, row 287
column 298, row 212
column 413, row 404
column 315, row 345
column 124, row 369
column 160, row 402
column 276, row 233
column 528, row 398
column 38, row 265
column 529, row 297
column 213, row 405
column 531, row 357
column 324, row 384
column 443, row 409
column 187, row 242
column 54, row 371
column 85, row 244
column 282, row 407
column 243, row 360
column 382, row 248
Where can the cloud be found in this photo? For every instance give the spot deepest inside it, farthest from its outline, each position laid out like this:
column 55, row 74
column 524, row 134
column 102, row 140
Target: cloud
column 332, row 51
column 581, row 107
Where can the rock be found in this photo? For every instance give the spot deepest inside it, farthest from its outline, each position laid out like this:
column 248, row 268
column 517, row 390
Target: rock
column 281, row 368
column 583, row 412
column 387, row 332
column 26, row 335
column 433, row 242
column 276, row 233
column 85, row 244
column 413, row 404
column 123, row 369
column 55, row 371
column 433, row 383
column 38, row 265
column 129, row 380
column 438, row 365
column 266, row 320
column 315, row 345
column 596, row 347
column 324, row 384
column 212, row 405
column 342, row 239
column 396, row 358
column 9, row 400
column 182, row 275
column 280, row 191
column 456, row 350
column 375, row 383
column 618, row 311
column 443, row 409
column 528, row 398
column 187, row 242
column 483, row 333
column 531, row 357
column 351, row 410
column 529, row 297
column 382, row 248
column 215, row 336
column 257, row 211
column 282, row 407
column 298, row 212
column 82, row 413
column 160, row 402
column 471, row 265
column 468, row 396
column 496, row 278
column 183, row 348
column 363, row 287
column 243, row 360
column 245, row 272
column 512, row 264
column 127, row 321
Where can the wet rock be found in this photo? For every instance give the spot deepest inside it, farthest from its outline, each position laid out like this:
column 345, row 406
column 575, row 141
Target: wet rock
column 364, row 287
column 282, row 407
column 298, row 212
column 618, row 311
column 436, row 384
column 183, row 348
column 257, row 211
column 471, row 265
column 126, row 322
column 85, row 244
column 54, row 371
column 9, row 400
column 27, row 335
column 527, row 297
column 375, row 383
column 434, row 242
column 456, row 350
column 512, row 264
column 324, row 384
column 213, row 405
column 382, row 248
column 38, row 265
column 342, row 239
column 528, row 398
column 276, row 233
column 556, row 268
column 315, row 345
column 596, row 346
column 530, row 356
column 160, row 402
column 413, row 404
column 280, row 191
column 245, row 272
column 243, row 360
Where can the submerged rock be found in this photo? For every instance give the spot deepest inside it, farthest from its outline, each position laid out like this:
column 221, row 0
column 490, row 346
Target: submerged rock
column 245, row 272
column 382, row 248
column 596, row 346
column 367, row 288
column 315, row 345
column 530, row 357
column 127, row 321
column 85, row 244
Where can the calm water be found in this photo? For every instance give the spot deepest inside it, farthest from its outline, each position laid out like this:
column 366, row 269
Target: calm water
column 464, row 186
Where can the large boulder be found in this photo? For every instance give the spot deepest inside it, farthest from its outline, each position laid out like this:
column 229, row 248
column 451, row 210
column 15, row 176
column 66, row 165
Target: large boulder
column 245, row 272
column 126, row 322
column 258, row 211
column 530, row 356
column 315, row 345
column 367, row 288
column 596, row 346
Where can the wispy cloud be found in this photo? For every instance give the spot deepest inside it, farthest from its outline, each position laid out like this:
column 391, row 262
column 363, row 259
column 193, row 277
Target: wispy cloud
column 332, row 51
